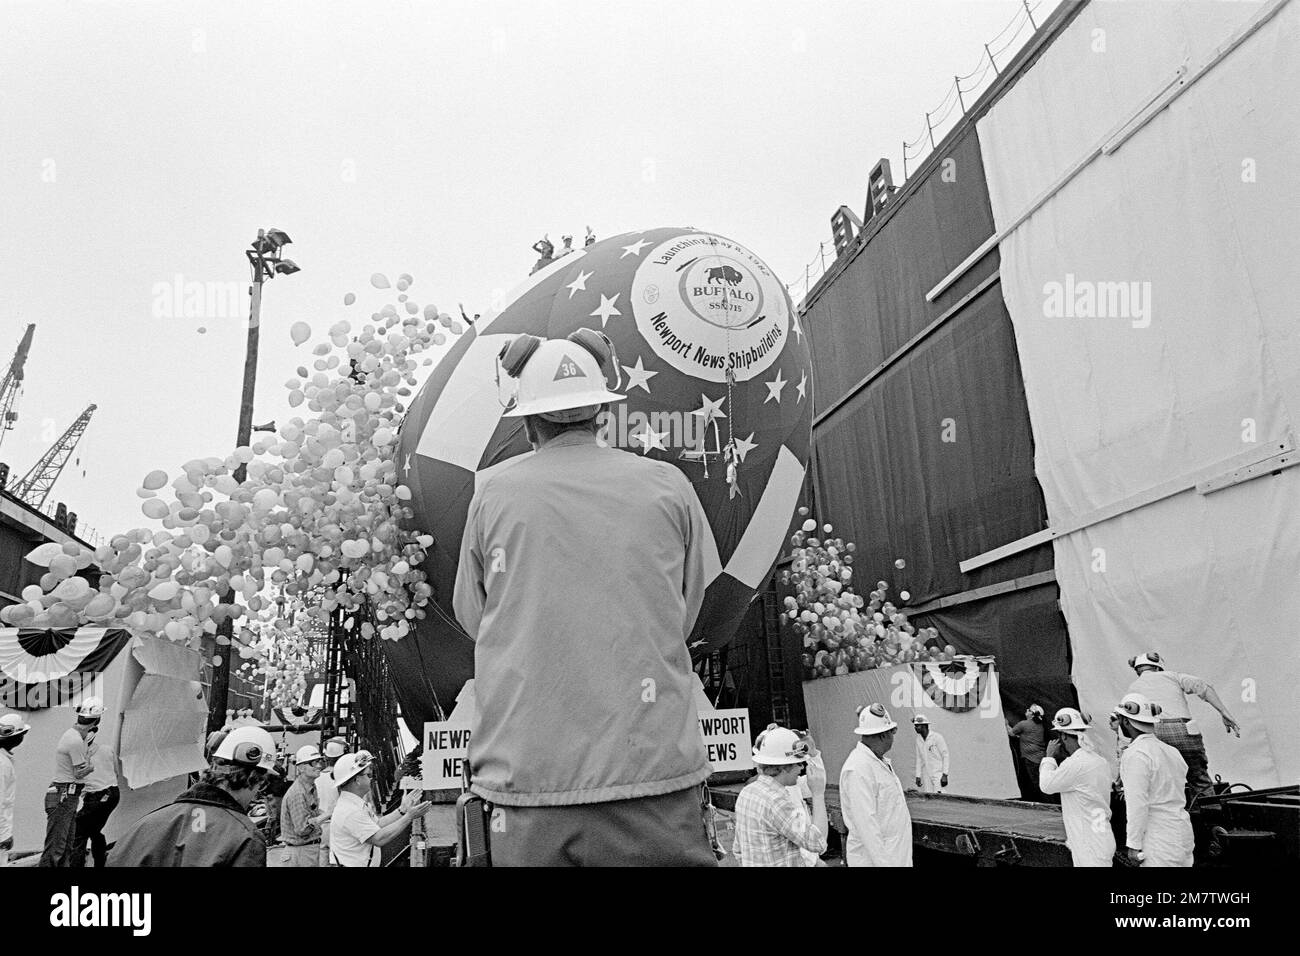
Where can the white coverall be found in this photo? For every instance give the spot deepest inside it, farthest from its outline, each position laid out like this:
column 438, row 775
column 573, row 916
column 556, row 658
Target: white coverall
column 1083, row 781
column 1153, row 774
column 931, row 761
column 875, row 811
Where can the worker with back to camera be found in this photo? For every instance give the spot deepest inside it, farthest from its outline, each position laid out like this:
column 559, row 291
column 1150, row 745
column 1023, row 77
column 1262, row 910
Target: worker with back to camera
column 1032, row 739
column 208, row 825
column 772, row 828
column 1159, row 829
column 931, row 756
column 1176, row 726
column 1083, row 779
column 582, row 571
column 871, row 796
column 73, row 763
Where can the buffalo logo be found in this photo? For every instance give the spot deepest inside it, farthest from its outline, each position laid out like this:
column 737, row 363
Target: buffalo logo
column 722, row 292
column 723, row 274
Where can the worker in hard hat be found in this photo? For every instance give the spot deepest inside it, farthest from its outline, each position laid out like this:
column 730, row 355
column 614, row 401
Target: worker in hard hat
column 931, row 756
column 356, row 832
column 1082, row 778
column 1176, row 726
column 582, row 570
column 1153, row 774
column 327, row 791
column 771, row 827
column 301, row 819
column 801, row 792
column 208, row 825
column 13, row 731
column 98, row 801
column 1032, row 740
column 871, row 796
column 72, row 764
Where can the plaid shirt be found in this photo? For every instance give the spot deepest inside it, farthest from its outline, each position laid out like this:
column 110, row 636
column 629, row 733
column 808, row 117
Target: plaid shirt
column 770, row 831
column 296, row 810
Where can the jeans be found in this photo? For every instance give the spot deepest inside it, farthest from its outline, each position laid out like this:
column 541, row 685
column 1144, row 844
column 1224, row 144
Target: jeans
column 60, row 823
column 95, row 811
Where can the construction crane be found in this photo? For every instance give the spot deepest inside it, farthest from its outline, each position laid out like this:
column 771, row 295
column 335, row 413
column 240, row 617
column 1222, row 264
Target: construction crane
column 13, row 383
column 35, row 486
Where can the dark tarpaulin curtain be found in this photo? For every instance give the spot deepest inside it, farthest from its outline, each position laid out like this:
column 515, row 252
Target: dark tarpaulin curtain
column 933, row 461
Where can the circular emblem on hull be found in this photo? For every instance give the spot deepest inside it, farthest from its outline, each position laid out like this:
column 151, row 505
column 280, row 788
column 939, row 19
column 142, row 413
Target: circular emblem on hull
column 707, row 305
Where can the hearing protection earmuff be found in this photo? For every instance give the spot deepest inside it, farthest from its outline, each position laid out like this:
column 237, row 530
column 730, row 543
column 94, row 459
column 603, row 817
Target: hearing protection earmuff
column 514, row 356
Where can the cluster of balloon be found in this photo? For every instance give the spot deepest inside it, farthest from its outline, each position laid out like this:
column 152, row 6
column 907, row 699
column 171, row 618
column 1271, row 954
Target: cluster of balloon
column 842, row 631
column 318, row 518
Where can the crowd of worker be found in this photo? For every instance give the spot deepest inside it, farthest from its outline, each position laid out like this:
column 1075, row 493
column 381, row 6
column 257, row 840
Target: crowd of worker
column 1162, row 769
column 81, row 795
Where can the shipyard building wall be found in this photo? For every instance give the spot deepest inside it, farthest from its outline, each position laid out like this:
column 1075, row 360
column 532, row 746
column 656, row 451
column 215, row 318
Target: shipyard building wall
column 932, row 459
column 1152, row 300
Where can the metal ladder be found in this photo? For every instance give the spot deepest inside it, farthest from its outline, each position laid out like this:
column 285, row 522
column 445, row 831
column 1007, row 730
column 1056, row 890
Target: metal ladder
column 776, row 682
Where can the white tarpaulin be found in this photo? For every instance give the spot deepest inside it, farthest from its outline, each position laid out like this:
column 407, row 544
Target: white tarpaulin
column 162, row 726
column 1152, row 297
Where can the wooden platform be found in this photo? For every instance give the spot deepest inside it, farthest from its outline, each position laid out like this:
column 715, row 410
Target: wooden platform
column 989, row 832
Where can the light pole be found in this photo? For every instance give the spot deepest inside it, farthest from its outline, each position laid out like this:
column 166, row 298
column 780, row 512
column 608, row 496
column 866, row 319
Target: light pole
column 264, row 258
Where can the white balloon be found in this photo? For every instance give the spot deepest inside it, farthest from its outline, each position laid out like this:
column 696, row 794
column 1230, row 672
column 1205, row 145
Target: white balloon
column 41, row 554
column 154, row 480
column 164, row 591
column 299, row 332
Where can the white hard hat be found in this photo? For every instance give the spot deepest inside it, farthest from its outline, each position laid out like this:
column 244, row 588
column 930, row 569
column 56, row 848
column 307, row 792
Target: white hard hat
column 1137, row 708
column 335, row 747
column 920, row 719
column 1070, row 721
column 1034, row 709
column 248, row 746
column 307, row 754
column 350, row 765
column 778, row 746
column 11, row 725
column 873, row 719
column 1149, row 659
column 92, row 708
column 559, row 379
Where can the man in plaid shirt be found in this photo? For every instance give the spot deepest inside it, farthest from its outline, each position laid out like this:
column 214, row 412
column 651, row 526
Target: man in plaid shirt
column 770, row 829
column 300, row 816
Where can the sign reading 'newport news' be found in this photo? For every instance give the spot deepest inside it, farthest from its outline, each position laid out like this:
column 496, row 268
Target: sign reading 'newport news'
column 446, row 747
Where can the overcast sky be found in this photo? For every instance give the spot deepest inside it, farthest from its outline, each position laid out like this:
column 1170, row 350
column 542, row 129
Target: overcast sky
column 145, row 141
